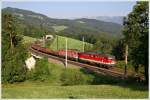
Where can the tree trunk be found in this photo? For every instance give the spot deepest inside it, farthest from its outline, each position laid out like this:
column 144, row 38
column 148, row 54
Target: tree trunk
column 146, row 74
column 126, row 61
column 11, row 40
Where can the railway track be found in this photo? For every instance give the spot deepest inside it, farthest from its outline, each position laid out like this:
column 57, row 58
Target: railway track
column 111, row 72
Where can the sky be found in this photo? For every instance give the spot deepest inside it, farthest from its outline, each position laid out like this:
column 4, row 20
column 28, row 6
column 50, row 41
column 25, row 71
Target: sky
column 75, row 9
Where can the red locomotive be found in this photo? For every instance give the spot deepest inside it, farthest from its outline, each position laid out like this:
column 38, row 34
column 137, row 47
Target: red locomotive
column 98, row 58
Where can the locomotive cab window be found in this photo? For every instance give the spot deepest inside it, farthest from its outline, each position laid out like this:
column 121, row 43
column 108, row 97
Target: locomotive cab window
column 111, row 58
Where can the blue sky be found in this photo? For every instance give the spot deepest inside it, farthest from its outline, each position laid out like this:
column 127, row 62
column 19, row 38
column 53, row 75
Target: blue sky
column 75, row 9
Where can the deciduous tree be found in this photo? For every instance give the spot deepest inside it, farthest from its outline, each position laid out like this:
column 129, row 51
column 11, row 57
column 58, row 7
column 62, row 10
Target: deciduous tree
column 136, row 35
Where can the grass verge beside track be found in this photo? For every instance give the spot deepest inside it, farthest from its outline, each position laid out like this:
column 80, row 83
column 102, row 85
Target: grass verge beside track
column 40, row 90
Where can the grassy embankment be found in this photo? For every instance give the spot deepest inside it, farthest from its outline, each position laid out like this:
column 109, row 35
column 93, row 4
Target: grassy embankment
column 72, row 44
column 27, row 39
column 54, row 88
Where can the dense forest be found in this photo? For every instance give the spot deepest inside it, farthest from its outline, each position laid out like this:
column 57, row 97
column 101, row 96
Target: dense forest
column 14, row 52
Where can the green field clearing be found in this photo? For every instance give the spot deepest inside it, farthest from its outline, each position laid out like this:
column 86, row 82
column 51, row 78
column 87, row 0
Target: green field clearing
column 27, row 39
column 72, row 44
column 54, row 89
column 59, row 28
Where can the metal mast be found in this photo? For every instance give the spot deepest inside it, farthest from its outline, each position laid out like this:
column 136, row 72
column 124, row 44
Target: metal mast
column 57, row 41
column 66, row 53
column 43, row 41
column 83, row 43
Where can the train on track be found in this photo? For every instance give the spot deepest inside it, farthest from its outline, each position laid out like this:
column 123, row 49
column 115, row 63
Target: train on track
column 92, row 57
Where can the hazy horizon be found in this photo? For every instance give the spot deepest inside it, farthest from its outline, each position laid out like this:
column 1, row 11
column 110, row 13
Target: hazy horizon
column 71, row 10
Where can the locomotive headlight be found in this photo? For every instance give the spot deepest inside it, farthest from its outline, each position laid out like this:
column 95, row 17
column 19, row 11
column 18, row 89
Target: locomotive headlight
column 113, row 62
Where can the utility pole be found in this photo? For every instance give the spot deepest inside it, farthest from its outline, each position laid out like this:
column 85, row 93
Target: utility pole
column 83, row 43
column 43, row 41
column 126, row 61
column 66, row 54
column 57, row 41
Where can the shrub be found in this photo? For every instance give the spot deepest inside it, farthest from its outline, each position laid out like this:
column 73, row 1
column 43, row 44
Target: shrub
column 101, row 79
column 13, row 66
column 130, row 66
column 41, row 71
column 75, row 77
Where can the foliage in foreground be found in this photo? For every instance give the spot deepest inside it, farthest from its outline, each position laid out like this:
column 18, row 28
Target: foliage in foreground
column 13, row 52
column 40, row 72
column 136, row 31
column 13, row 67
column 75, row 77
column 58, row 74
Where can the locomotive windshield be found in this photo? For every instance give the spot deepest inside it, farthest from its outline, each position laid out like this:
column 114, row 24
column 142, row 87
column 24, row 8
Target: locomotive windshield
column 111, row 58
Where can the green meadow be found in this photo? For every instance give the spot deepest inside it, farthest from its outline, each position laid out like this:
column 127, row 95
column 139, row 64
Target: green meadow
column 33, row 90
column 59, row 28
column 54, row 88
column 27, row 39
column 72, row 43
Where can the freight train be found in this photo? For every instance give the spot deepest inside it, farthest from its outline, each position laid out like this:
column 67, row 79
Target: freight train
column 92, row 57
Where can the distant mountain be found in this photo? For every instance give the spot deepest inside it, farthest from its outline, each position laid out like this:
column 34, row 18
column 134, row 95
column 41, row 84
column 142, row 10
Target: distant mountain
column 37, row 22
column 114, row 19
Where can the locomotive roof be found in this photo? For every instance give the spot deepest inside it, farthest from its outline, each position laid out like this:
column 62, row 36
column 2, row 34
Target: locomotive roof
column 98, row 53
column 70, row 49
column 94, row 53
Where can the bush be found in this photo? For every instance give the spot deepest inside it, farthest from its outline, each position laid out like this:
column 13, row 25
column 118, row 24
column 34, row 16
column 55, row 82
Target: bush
column 101, row 79
column 121, row 64
column 75, row 77
column 41, row 71
column 13, row 66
